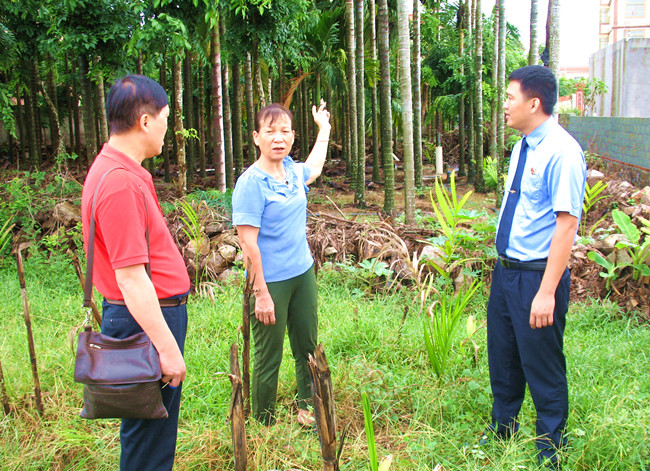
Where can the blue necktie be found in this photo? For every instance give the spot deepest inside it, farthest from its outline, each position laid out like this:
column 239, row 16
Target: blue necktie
column 503, row 233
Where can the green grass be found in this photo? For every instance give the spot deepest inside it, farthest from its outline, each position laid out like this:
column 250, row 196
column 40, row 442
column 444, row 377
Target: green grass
column 421, row 420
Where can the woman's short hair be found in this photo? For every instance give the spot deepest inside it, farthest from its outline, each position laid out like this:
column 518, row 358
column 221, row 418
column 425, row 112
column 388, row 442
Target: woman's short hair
column 537, row 81
column 271, row 114
column 129, row 98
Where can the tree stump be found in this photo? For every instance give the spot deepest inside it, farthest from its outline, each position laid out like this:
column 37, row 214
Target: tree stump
column 324, row 409
column 236, row 413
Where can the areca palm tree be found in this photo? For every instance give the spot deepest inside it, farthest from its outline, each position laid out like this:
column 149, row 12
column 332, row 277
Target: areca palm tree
column 532, row 52
column 407, row 107
column 385, row 110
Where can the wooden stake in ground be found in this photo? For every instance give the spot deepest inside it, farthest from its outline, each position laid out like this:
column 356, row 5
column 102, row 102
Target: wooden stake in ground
column 82, row 279
column 28, row 324
column 236, row 413
column 246, row 336
column 3, row 392
column 324, row 408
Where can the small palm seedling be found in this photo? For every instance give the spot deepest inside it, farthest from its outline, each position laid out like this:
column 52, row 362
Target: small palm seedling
column 592, row 196
column 440, row 328
column 193, row 229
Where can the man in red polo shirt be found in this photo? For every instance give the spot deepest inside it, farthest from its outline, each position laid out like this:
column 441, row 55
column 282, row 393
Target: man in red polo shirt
column 126, row 209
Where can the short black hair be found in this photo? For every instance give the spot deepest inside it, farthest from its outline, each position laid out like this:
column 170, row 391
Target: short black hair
column 537, row 81
column 272, row 113
column 129, row 98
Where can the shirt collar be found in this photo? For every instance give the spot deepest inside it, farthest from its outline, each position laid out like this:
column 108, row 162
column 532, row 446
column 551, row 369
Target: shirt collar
column 540, row 132
column 124, row 160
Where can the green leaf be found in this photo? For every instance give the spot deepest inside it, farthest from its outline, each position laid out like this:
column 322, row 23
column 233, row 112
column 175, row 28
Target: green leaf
column 626, row 226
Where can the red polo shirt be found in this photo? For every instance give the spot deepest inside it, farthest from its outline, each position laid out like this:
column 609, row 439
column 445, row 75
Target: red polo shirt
column 121, row 220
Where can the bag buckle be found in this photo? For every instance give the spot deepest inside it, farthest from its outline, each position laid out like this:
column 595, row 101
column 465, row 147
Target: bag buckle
column 88, row 320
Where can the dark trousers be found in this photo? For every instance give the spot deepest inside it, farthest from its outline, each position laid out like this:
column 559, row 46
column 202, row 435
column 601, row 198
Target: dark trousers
column 296, row 309
column 148, row 444
column 519, row 354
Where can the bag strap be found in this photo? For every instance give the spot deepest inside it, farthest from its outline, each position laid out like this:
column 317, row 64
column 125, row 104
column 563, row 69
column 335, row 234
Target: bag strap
column 88, row 287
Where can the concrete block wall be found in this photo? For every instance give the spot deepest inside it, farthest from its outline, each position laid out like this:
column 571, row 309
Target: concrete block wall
column 622, row 141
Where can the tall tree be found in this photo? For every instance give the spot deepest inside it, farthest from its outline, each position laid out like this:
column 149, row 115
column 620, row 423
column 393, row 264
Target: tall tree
column 462, row 18
column 471, row 102
column 404, row 56
column 501, row 83
column 376, row 162
column 479, row 182
column 532, row 51
column 417, row 96
column 217, row 109
column 553, row 40
column 250, row 109
column 90, row 138
column 385, row 108
column 237, row 138
column 227, row 127
column 352, row 91
column 494, row 105
column 360, row 187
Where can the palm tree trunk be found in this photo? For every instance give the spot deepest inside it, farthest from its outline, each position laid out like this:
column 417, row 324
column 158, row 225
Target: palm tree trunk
column 227, row 129
column 407, row 108
column 237, row 141
column 250, row 109
column 99, row 99
column 360, row 187
column 495, row 76
column 55, row 128
column 217, row 113
column 500, row 98
column 554, row 36
column 376, row 162
column 352, row 87
column 471, row 98
column 385, row 110
column 69, row 103
column 178, row 126
column 532, row 52
column 417, row 96
column 76, row 112
column 188, row 106
column 32, row 118
column 21, row 126
column 88, row 110
column 166, row 145
column 462, row 18
column 479, row 182
column 257, row 77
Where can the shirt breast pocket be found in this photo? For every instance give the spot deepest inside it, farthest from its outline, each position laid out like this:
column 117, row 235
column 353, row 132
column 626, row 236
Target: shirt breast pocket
column 533, row 187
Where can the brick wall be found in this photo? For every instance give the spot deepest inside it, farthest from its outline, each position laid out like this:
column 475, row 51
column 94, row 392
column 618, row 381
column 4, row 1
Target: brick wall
column 623, row 143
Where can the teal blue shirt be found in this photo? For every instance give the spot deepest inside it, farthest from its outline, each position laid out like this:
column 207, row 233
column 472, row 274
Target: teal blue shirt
column 279, row 209
column 553, row 181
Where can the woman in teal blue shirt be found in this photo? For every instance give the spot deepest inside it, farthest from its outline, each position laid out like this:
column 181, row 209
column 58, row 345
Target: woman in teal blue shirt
column 270, row 213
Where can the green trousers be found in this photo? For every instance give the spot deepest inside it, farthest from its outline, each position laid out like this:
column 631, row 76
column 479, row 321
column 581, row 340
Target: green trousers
column 296, row 306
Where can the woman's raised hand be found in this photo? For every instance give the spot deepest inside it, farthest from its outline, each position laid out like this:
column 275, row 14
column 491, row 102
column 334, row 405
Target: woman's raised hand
column 321, row 115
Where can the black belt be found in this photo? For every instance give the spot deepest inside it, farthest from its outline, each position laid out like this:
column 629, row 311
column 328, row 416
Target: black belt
column 167, row 302
column 536, row 265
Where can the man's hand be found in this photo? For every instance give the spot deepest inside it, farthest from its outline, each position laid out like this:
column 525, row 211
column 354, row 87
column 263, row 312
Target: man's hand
column 541, row 311
column 172, row 367
column 264, row 308
column 543, row 307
